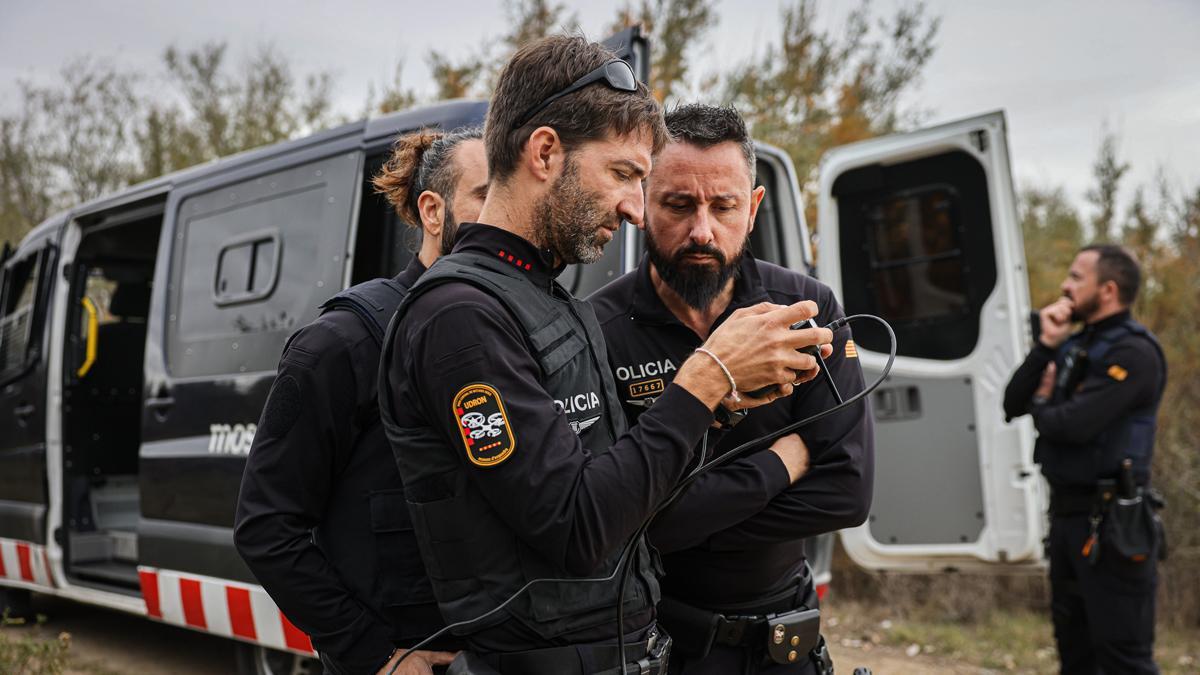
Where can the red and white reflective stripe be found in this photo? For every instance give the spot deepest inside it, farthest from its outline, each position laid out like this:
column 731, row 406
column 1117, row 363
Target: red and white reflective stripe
column 25, row 562
column 222, row 607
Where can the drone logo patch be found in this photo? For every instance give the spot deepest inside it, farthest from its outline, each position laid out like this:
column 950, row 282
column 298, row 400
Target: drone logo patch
column 483, row 423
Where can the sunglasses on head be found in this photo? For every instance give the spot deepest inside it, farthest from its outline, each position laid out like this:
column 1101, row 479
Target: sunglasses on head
column 615, row 73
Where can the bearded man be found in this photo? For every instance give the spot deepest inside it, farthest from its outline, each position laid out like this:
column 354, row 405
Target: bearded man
column 523, row 481
column 733, row 544
column 1094, row 396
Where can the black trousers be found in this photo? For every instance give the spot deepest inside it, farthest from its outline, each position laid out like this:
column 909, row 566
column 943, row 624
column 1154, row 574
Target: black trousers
column 1103, row 613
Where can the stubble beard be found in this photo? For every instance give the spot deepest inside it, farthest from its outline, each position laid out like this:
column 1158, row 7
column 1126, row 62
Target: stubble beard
column 569, row 219
column 1082, row 311
column 449, row 230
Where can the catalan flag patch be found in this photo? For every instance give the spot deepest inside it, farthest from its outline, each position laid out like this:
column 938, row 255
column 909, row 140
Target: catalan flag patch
column 1117, row 373
column 851, row 350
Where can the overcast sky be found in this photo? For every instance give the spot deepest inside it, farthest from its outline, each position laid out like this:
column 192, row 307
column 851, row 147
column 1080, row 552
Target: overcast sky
column 1062, row 70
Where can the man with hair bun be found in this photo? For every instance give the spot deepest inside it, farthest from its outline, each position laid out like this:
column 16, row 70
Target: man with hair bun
column 320, row 519
column 1094, row 396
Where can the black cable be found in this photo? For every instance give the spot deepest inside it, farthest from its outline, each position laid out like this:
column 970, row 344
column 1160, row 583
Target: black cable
column 622, row 567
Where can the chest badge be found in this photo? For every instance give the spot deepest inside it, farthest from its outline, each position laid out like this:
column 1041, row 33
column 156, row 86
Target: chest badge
column 483, row 423
column 579, row 425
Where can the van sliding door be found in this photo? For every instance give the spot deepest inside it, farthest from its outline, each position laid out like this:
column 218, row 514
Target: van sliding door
column 251, row 259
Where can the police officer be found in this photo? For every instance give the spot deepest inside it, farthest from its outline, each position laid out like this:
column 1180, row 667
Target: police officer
column 733, row 545
column 1093, row 396
column 522, row 479
column 321, row 519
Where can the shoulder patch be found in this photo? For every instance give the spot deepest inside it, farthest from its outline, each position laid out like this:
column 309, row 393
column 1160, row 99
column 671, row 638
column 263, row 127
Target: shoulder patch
column 484, row 426
column 851, row 349
column 1117, row 373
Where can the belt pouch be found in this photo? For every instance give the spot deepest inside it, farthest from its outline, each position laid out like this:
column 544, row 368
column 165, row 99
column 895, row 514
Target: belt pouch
column 792, row 635
column 1130, row 528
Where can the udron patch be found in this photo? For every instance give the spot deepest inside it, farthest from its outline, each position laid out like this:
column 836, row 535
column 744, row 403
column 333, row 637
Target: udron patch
column 484, row 426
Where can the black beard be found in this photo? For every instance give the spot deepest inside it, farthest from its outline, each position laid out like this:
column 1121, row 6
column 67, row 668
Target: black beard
column 697, row 285
column 568, row 219
column 1081, row 311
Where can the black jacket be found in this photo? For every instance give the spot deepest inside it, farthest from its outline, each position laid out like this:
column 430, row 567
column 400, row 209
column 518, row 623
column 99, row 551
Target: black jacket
column 570, row 505
column 321, row 519
column 737, row 534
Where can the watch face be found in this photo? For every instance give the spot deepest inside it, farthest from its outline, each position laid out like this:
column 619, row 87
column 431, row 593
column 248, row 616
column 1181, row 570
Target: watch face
column 728, row 418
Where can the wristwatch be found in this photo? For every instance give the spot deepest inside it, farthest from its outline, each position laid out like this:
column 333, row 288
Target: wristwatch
column 727, row 419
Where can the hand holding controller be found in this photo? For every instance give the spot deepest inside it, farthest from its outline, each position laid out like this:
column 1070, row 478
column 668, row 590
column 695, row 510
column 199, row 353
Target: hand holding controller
column 820, row 353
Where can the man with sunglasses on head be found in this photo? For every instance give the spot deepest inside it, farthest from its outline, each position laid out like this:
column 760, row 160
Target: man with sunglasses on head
column 733, row 545
column 523, row 481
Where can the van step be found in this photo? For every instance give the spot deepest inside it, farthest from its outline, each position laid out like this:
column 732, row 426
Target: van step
column 118, row 574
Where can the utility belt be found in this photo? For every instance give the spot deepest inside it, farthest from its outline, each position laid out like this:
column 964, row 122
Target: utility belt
column 647, row 657
column 781, row 629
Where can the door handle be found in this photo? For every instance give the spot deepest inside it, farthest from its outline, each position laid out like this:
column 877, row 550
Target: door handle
column 161, row 405
column 23, row 411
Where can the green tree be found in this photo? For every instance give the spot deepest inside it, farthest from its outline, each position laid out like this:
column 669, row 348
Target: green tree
column 1053, row 232
column 395, row 96
column 817, row 89
column 675, row 29
column 68, row 143
column 1108, row 171
column 224, row 113
column 529, row 20
column 454, row 81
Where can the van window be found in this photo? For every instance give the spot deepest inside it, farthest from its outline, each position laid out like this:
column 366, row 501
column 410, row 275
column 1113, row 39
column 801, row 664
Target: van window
column 16, row 315
column 253, row 262
column 766, row 239
column 916, row 248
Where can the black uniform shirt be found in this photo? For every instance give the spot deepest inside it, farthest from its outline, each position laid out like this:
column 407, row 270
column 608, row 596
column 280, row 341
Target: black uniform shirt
column 736, row 535
column 576, row 509
column 1098, row 398
column 318, row 460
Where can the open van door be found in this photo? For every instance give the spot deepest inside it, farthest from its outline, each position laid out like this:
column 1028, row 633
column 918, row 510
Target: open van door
column 922, row 230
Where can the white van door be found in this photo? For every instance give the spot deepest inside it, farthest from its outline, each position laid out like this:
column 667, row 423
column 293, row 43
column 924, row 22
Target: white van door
column 922, row 230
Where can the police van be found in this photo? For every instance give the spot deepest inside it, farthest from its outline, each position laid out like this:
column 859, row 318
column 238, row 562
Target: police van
column 139, row 334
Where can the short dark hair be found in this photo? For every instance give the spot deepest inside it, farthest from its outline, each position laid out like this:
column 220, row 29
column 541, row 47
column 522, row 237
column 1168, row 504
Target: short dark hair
column 544, row 67
column 707, row 125
column 420, row 161
column 1118, row 265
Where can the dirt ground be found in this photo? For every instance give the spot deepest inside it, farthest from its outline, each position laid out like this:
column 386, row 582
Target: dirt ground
column 106, row 642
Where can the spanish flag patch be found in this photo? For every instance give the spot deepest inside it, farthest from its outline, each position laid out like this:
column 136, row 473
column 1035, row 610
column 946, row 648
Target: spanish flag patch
column 851, row 350
column 1117, row 373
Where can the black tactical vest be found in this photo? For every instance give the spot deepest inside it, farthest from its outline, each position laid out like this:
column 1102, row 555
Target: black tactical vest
column 395, row 583
column 1081, row 465
column 474, row 559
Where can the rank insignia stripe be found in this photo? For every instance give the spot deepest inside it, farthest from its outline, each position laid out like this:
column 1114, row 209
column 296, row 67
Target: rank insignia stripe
column 1117, row 373
column 483, row 423
column 851, row 349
